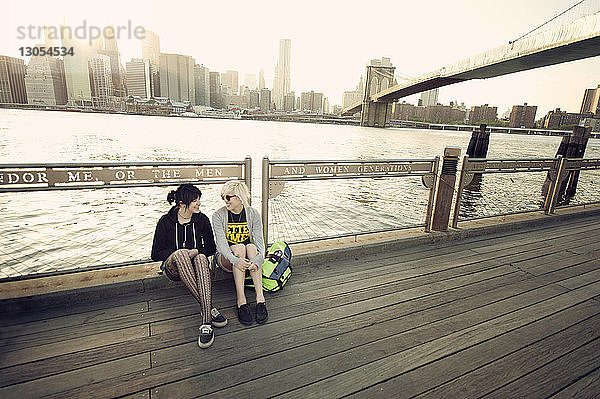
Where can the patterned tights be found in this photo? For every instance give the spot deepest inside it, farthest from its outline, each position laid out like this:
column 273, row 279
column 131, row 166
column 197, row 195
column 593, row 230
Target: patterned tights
column 196, row 276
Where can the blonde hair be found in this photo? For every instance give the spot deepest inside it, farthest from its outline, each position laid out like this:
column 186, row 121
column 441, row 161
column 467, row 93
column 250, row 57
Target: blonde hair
column 239, row 189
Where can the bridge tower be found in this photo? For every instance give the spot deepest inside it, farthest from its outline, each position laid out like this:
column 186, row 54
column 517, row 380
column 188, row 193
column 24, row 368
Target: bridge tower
column 380, row 76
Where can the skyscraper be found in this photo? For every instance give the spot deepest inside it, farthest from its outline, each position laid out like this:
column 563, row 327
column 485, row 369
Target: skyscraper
column 430, row 97
column 177, row 77
column 101, row 80
column 250, row 81
column 230, row 83
column 138, row 78
column 45, row 81
column 111, row 50
column 151, row 51
column 202, row 85
column 282, row 79
column 12, row 80
column 216, row 96
column 261, row 80
column 77, row 74
column 522, row 116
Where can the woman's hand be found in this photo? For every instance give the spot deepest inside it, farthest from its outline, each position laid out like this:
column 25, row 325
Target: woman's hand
column 253, row 267
column 193, row 253
column 243, row 264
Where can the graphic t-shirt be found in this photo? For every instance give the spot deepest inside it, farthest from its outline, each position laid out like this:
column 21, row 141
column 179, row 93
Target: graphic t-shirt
column 237, row 228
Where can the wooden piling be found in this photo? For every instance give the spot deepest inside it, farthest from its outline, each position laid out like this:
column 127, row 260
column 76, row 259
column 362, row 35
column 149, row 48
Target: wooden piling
column 445, row 191
column 479, row 143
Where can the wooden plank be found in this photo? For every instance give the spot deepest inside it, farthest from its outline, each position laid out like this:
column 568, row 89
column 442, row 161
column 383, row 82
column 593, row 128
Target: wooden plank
column 273, row 335
column 319, row 359
column 388, row 367
column 11, row 358
column 84, row 376
column 453, row 376
column 516, row 364
column 558, row 373
column 181, row 334
column 587, row 386
column 70, row 320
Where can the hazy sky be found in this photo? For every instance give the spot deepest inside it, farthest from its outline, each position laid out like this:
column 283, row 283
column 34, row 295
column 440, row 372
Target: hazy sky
column 332, row 40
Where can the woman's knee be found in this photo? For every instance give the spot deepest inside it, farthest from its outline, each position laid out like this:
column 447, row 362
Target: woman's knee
column 251, row 250
column 239, row 250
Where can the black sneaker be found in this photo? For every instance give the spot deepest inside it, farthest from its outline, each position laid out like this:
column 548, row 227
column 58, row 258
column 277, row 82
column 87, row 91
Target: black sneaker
column 206, row 337
column 244, row 314
column 261, row 313
column 218, row 320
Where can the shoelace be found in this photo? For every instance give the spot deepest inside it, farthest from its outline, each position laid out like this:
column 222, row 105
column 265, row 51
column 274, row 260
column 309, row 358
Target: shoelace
column 205, row 329
column 214, row 313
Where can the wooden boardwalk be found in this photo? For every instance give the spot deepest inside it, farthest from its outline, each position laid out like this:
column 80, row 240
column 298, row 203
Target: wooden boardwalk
column 510, row 315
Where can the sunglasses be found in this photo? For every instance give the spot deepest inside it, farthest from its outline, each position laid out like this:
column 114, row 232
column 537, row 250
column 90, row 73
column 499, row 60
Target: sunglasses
column 228, row 197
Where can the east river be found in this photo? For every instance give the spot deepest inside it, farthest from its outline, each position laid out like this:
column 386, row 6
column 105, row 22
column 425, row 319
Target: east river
column 46, row 231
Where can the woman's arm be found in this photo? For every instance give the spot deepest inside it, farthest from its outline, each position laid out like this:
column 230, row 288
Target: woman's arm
column 207, row 237
column 218, row 223
column 257, row 235
column 160, row 249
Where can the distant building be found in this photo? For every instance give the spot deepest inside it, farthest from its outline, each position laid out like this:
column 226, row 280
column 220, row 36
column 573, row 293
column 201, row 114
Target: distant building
column 289, row 102
column 594, row 123
column 430, row 97
column 282, row 77
column 591, row 101
column 350, row 98
column 404, row 111
column 253, row 99
column 138, row 78
column 261, row 80
column 311, row 102
column 229, row 82
column 101, row 80
column 111, row 50
column 151, row 51
column 265, row 100
column 522, row 116
column 77, row 71
column 336, row 109
column 216, row 94
column 250, row 81
column 45, row 81
column 443, row 114
column 155, row 106
column 177, row 77
column 12, row 80
column 483, row 114
column 561, row 119
column 202, row 85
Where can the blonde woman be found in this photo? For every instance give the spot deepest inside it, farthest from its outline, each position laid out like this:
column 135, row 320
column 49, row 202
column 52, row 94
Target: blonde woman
column 240, row 247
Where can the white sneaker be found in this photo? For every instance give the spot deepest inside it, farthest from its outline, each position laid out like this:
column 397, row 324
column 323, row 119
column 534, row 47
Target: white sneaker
column 206, row 337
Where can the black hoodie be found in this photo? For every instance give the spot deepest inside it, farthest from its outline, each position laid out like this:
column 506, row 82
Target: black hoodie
column 171, row 236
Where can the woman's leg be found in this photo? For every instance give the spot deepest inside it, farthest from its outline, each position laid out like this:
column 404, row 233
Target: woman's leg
column 179, row 264
column 238, row 275
column 204, row 286
column 251, row 252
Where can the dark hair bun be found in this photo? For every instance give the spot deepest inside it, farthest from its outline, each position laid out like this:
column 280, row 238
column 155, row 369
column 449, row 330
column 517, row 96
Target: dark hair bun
column 171, row 197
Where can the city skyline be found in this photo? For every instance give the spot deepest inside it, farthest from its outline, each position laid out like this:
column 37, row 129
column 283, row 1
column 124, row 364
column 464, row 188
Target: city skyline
column 331, row 57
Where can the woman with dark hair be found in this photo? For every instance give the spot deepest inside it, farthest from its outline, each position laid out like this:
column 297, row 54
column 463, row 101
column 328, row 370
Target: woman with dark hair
column 183, row 241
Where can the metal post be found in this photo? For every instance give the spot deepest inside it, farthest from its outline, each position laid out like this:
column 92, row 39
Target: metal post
column 460, row 191
column 430, row 201
column 554, row 187
column 265, row 198
column 248, row 175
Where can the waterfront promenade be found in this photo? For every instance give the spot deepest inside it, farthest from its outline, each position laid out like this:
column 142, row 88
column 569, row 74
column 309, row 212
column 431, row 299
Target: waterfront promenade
column 504, row 307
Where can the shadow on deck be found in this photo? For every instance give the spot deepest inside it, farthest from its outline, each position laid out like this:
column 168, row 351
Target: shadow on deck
column 513, row 314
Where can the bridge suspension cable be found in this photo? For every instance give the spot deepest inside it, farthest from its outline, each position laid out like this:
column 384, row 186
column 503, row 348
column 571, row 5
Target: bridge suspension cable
column 567, row 14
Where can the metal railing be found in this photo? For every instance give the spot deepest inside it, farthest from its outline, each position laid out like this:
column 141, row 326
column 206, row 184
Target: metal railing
column 276, row 173
column 42, row 238
column 559, row 166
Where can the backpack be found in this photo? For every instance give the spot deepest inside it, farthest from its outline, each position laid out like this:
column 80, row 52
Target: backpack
column 276, row 269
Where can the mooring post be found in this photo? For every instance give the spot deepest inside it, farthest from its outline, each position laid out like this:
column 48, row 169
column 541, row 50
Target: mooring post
column 445, row 191
column 265, row 198
column 553, row 187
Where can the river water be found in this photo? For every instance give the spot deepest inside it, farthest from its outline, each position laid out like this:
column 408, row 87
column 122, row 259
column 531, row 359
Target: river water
column 47, row 231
